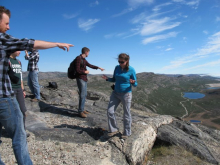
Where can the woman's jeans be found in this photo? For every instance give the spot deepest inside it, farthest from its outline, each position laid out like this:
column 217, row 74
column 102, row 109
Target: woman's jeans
column 115, row 99
column 12, row 120
column 33, row 83
column 82, row 86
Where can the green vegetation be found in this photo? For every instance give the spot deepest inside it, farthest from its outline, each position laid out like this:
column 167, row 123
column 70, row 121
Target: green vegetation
column 163, row 94
column 172, row 155
column 217, row 121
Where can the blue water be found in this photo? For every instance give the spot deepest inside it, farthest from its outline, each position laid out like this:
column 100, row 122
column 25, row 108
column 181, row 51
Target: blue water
column 195, row 121
column 193, row 95
column 213, row 88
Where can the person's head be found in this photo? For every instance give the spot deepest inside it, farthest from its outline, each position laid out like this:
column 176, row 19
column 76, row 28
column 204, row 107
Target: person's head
column 15, row 54
column 5, row 15
column 85, row 51
column 123, row 60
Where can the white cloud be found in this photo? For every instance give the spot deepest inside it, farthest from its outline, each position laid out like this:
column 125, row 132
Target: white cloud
column 139, row 18
column 178, row 0
column 120, row 34
column 209, row 64
column 156, row 26
column 87, row 24
column 125, row 11
column 205, row 32
column 133, row 5
column 169, row 49
column 108, row 36
column 212, row 48
column 158, row 7
column 185, row 39
column 159, row 38
column 94, row 3
column 69, row 16
column 217, row 19
column 136, row 3
column 181, row 15
column 193, row 3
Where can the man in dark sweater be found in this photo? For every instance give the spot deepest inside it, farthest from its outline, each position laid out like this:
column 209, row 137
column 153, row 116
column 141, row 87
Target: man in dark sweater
column 81, row 79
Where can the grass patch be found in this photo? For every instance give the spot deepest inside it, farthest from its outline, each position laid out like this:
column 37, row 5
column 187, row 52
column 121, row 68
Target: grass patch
column 217, row 121
column 173, row 155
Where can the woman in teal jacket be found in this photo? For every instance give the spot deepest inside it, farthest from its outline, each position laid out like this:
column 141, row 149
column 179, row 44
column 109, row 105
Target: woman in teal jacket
column 124, row 77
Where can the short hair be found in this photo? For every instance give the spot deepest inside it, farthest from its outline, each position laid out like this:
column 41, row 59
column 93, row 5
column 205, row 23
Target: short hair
column 4, row 10
column 85, row 49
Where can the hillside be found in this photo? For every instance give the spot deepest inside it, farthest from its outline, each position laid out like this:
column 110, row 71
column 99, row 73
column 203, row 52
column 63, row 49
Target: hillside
column 161, row 94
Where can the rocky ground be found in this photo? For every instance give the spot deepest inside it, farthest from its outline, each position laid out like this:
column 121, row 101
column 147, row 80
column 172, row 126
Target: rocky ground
column 59, row 136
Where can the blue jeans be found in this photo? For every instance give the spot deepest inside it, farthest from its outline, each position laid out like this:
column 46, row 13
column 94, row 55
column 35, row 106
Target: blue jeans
column 82, row 86
column 33, row 83
column 12, row 120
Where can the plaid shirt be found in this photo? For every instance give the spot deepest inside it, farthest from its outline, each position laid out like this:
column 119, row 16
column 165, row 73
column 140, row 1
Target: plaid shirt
column 33, row 60
column 81, row 68
column 9, row 45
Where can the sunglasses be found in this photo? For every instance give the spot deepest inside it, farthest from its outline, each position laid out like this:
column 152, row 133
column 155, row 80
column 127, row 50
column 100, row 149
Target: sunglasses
column 121, row 62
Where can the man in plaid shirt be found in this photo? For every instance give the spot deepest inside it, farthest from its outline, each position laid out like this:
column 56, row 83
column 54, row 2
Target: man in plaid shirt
column 10, row 115
column 33, row 69
column 81, row 79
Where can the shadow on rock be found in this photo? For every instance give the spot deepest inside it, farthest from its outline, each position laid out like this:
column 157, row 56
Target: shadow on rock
column 62, row 111
column 95, row 133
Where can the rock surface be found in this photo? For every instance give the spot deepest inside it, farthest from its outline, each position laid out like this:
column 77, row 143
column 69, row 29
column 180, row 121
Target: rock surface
column 60, row 136
column 191, row 138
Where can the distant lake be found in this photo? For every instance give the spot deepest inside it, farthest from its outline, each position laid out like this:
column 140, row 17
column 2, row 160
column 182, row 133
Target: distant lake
column 213, row 88
column 193, row 95
column 195, row 121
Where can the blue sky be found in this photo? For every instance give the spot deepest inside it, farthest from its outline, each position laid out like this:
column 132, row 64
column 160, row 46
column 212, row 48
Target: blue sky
column 161, row 36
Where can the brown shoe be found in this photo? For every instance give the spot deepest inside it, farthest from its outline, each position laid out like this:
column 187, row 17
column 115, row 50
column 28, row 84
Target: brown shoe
column 124, row 137
column 35, row 100
column 83, row 115
column 86, row 112
column 113, row 133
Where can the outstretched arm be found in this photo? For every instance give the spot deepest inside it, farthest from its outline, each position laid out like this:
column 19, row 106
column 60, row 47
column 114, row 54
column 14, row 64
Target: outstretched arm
column 104, row 77
column 46, row 45
column 101, row 69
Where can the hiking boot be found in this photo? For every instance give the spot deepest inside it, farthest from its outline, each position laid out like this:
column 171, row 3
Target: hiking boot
column 83, row 115
column 86, row 112
column 112, row 133
column 35, row 100
column 124, row 137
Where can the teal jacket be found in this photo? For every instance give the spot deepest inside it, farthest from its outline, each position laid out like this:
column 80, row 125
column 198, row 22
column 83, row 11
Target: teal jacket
column 122, row 79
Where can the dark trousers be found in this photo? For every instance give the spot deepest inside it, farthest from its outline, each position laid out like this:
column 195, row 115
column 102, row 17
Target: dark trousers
column 20, row 98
